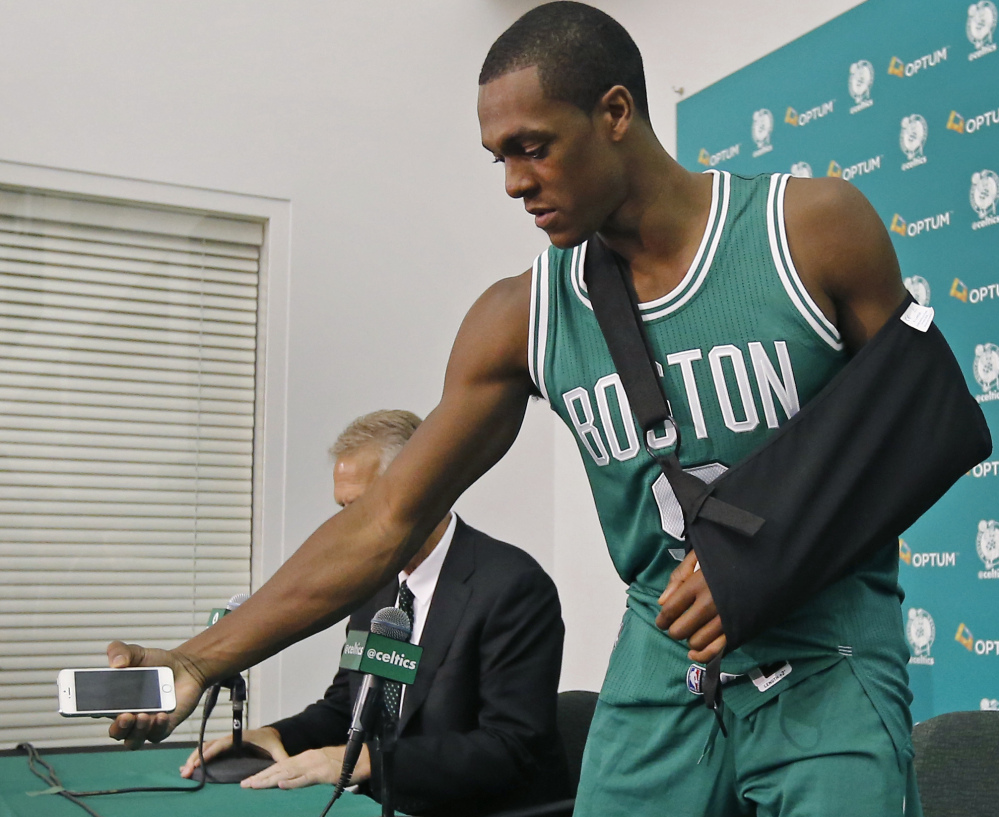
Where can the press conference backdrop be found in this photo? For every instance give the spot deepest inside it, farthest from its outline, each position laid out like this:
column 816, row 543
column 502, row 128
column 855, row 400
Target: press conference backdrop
column 901, row 98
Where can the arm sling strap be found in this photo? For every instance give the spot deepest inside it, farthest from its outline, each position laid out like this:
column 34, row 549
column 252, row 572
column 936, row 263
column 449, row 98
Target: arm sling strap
column 842, row 478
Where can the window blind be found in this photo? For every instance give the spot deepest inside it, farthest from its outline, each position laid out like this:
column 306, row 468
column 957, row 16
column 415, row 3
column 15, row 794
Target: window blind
column 128, row 339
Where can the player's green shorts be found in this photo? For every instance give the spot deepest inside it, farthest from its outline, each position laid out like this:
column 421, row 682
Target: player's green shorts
column 818, row 749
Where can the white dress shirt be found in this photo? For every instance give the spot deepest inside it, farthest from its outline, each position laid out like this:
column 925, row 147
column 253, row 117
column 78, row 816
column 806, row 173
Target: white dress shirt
column 423, row 581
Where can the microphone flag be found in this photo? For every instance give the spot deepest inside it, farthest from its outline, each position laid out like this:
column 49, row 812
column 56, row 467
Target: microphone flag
column 233, row 603
column 381, row 656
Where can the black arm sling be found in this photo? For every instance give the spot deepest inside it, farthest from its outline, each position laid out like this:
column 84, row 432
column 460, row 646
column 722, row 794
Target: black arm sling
column 856, row 466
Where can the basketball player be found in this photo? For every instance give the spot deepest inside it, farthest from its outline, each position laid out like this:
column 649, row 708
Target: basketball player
column 755, row 292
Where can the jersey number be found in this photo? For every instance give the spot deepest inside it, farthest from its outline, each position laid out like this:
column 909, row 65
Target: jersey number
column 669, row 509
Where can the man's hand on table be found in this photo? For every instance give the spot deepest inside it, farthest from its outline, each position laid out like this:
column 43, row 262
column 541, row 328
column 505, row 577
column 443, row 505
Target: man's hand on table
column 689, row 612
column 266, row 738
column 309, row 768
column 135, row 729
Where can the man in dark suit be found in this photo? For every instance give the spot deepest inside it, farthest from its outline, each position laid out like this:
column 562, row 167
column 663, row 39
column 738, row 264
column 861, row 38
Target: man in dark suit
column 477, row 730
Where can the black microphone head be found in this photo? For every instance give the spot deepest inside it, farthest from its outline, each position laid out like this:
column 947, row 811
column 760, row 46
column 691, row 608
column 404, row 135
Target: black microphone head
column 393, row 623
column 236, row 600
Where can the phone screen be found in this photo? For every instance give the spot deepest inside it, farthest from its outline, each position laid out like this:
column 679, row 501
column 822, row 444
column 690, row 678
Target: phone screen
column 103, row 690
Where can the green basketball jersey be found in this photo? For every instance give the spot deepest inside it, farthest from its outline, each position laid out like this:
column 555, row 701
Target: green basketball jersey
column 740, row 346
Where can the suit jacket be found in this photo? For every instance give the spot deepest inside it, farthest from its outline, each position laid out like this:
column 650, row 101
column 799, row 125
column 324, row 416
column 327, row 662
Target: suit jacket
column 477, row 732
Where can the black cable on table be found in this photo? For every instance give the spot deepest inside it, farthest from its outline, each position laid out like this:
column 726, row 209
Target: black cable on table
column 50, row 777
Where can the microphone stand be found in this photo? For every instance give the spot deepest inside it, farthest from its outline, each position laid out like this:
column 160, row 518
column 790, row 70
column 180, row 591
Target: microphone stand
column 237, row 695
column 235, row 764
column 385, row 741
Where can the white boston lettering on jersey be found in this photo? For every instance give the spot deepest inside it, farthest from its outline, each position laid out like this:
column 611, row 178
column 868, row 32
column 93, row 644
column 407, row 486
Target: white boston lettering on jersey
column 612, row 431
column 685, row 361
column 613, row 381
column 734, row 354
column 770, row 384
column 668, row 439
column 576, row 400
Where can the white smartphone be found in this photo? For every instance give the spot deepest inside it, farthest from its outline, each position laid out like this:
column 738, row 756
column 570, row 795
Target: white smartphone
column 101, row 692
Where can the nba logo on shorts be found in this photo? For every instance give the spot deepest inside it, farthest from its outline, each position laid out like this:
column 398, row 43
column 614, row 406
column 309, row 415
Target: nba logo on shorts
column 694, row 676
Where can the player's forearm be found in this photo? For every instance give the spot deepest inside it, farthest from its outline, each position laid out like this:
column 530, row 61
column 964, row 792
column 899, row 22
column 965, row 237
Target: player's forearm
column 337, row 567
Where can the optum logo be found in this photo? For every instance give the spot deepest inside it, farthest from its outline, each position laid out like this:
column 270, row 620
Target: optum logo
column 924, row 225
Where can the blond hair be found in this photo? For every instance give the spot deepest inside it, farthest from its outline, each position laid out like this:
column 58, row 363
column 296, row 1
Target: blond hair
column 388, row 429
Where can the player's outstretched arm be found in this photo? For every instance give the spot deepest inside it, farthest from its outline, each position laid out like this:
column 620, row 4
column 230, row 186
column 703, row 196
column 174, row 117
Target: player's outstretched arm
column 351, row 555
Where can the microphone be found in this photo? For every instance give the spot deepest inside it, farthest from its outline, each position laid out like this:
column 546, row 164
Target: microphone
column 236, row 600
column 390, row 622
column 238, row 688
column 213, row 692
column 235, row 763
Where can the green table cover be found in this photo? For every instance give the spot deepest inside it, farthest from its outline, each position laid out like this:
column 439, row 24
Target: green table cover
column 116, row 768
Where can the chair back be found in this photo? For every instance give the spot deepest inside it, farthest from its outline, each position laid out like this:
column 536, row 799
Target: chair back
column 956, row 764
column 573, row 715
column 575, row 711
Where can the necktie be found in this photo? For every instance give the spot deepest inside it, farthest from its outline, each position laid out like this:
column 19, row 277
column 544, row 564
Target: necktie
column 392, row 690
column 406, row 601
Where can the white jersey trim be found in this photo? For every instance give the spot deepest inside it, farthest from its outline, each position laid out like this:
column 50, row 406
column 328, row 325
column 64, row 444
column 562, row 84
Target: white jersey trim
column 532, row 369
column 787, row 273
column 537, row 340
column 576, row 266
column 716, row 223
column 699, row 267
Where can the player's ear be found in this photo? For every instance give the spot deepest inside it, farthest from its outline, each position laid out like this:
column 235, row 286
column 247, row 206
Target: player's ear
column 617, row 108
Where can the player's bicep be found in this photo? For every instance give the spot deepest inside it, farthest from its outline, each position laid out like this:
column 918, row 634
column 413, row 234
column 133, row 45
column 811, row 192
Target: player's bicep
column 845, row 256
column 867, row 285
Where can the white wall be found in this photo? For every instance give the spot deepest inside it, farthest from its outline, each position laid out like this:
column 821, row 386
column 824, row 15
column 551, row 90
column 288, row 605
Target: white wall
column 362, row 115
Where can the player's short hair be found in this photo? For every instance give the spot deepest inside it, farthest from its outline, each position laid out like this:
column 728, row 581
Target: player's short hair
column 387, row 429
column 580, row 52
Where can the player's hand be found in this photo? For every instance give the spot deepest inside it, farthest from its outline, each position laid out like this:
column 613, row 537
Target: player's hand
column 309, row 768
column 689, row 612
column 266, row 738
column 135, row 729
